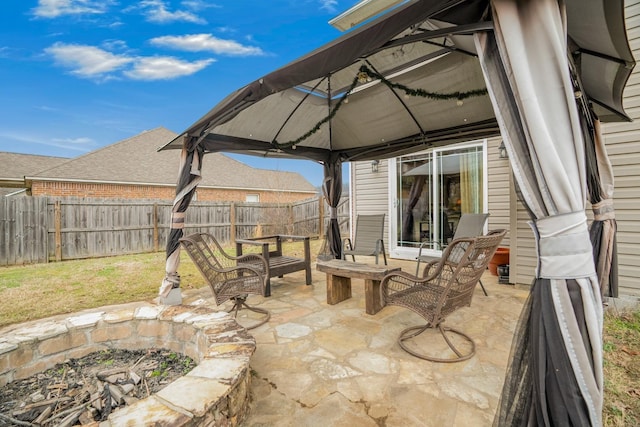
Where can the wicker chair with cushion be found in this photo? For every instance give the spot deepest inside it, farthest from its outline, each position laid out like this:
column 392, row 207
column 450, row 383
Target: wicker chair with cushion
column 447, row 285
column 230, row 277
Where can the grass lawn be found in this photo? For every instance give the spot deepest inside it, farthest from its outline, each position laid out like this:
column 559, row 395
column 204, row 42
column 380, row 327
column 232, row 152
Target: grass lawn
column 42, row 290
column 621, row 339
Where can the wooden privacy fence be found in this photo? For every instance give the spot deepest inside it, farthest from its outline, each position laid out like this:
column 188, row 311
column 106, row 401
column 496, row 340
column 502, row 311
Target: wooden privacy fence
column 41, row 229
column 23, row 230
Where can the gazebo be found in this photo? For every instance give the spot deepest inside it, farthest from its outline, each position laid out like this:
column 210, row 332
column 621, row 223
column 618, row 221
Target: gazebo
column 544, row 74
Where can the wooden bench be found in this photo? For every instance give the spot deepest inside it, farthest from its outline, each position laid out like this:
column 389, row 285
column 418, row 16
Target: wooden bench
column 339, row 275
column 279, row 264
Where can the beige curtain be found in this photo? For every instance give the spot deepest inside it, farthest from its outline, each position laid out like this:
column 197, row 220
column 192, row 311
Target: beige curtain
column 471, row 194
column 555, row 373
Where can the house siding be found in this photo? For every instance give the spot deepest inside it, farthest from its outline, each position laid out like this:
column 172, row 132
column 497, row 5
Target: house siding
column 370, row 193
column 499, row 190
column 622, row 141
column 137, row 191
column 623, row 145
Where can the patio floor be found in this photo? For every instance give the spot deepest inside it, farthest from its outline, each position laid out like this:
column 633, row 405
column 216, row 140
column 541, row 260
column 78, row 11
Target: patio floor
column 334, row 365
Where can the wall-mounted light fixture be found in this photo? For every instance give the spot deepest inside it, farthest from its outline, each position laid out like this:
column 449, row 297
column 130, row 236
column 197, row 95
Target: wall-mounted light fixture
column 502, row 151
column 374, row 165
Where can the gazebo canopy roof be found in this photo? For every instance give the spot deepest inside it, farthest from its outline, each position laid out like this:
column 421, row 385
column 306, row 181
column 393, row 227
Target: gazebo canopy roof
column 402, row 83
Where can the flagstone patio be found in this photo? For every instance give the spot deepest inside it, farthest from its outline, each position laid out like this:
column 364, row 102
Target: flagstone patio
column 314, row 364
column 334, row 365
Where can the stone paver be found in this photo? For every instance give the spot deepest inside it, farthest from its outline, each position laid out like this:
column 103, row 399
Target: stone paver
column 314, row 364
column 334, row 365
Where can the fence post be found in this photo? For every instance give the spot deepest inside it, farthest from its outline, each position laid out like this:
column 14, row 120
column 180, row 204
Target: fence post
column 156, row 243
column 57, row 219
column 232, row 215
column 292, row 224
column 321, row 216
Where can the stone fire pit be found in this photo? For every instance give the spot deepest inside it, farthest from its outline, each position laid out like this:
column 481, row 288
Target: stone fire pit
column 215, row 393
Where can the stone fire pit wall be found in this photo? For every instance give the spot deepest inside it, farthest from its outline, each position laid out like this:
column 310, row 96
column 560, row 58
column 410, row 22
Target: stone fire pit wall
column 214, row 393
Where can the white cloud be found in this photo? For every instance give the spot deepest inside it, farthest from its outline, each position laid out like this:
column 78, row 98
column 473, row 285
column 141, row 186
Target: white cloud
column 328, row 5
column 225, row 30
column 164, row 68
column 87, row 61
column 156, row 11
column 115, row 45
column 47, row 108
column 199, row 5
column 73, row 142
column 55, row 8
column 100, row 65
column 206, row 42
column 77, row 144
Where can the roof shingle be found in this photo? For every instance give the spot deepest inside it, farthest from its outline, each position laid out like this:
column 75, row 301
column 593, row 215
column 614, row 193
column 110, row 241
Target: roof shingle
column 17, row 166
column 136, row 160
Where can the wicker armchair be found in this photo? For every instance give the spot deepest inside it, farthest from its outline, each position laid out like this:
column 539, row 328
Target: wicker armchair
column 230, row 277
column 447, row 285
column 470, row 225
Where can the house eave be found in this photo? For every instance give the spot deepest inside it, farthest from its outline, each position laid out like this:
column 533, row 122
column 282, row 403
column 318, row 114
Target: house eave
column 89, row 181
column 13, row 182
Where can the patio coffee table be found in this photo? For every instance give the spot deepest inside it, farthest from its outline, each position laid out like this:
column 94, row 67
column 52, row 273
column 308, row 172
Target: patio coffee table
column 339, row 275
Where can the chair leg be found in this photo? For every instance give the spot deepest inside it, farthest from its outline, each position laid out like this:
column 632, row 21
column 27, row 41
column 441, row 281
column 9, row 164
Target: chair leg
column 414, row 331
column 483, row 289
column 308, row 274
column 267, row 288
column 418, row 268
column 384, row 253
column 239, row 303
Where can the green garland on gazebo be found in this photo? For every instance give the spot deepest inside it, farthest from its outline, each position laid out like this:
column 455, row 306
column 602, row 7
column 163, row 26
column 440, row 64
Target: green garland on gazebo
column 365, row 75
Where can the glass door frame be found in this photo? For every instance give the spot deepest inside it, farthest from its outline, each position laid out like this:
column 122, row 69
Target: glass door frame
column 404, row 252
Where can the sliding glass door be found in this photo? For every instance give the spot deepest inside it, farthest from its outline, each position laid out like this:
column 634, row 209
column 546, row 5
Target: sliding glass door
column 432, row 190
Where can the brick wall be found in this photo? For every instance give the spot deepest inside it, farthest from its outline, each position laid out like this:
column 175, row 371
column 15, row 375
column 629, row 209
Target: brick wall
column 80, row 189
column 215, row 194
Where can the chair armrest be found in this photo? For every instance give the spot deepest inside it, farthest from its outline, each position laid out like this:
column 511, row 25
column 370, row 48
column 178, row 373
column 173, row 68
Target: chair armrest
column 397, row 282
column 246, row 271
column 257, row 239
column 253, row 242
column 253, row 258
column 250, row 242
column 250, row 261
column 304, row 239
column 431, row 269
column 430, row 242
column 292, row 237
column 264, row 245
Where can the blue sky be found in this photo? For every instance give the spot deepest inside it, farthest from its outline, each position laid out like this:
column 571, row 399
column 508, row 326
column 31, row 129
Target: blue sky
column 76, row 75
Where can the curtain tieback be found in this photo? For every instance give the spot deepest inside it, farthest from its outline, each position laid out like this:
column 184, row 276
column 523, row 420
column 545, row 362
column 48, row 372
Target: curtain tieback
column 177, row 220
column 603, row 210
column 564, row 247
column 333, row 212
